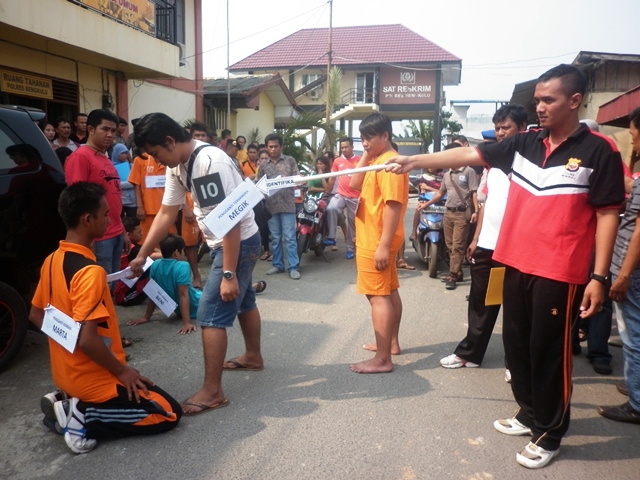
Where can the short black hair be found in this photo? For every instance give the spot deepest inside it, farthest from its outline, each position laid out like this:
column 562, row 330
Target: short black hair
column 226, row 133
column 154, row 128
column 130, row 223
column 252, row 146
column 634, row 117
column 515, row 112
column 459, row 138
column 60, row 120
column 452, row 145
column 77, row 199
column 241, row 137
column 63, row 153
column 96, row 117
column 171, row 243
column 572, row 79
column 345, row 139
column 273, row 137
column 81, row 115
column 197, row 127
column 122, row 121
column 376, row 124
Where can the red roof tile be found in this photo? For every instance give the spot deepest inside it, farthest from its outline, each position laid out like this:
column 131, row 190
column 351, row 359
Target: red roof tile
column 376, row 44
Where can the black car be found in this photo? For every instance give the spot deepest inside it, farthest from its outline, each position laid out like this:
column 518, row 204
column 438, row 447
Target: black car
column 31, row 179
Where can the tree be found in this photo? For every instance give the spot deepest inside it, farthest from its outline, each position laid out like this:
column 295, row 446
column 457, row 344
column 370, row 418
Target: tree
column 425, row 129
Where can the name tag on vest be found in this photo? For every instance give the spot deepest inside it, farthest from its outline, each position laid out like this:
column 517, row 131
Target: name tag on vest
column 155, row 181
column 61, row 328
column 158, row 296
column 208, row 190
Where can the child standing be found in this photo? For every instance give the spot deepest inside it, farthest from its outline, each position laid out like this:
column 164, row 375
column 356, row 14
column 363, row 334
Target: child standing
column 379, row 236
column 173, row 274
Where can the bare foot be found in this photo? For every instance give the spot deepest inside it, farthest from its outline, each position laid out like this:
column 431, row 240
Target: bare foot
column 372, row 366
column 138, row 321
column 372, row 347
column 190, row 405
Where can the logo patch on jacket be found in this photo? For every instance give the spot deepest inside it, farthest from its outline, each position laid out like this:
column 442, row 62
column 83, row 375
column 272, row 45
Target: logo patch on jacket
column 573, row 164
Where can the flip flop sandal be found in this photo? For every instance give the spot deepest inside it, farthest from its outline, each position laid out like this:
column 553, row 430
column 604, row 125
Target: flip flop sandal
column 265, row 256
column 262, row 285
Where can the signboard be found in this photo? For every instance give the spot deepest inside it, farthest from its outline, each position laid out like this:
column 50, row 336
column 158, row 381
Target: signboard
column 140, row 14
column 404, row 86
column 26, row 85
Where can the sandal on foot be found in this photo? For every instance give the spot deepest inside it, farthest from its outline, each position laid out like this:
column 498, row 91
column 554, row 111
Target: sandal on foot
column 203, row 408
column 405, row 265
column 265, row 256
column 261, row 286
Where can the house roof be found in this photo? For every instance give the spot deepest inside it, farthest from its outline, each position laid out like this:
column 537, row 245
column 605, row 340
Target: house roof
column 616, row 112
column 365, row 45
column 250, row 88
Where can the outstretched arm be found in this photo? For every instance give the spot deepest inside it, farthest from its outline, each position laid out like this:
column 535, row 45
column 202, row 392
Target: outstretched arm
column 454, row 158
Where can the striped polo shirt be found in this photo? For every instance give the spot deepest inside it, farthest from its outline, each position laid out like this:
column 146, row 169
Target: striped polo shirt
column 549, row 224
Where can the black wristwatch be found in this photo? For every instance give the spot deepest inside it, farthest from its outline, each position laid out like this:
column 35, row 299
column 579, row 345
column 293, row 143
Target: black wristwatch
column 229, row 275
column 600, row 278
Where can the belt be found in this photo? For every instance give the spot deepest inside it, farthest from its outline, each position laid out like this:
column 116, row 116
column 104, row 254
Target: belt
column 457, row 209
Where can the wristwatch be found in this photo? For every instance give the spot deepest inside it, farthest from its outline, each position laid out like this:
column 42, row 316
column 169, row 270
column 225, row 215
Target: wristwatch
column 600, row 278
column 229, row 275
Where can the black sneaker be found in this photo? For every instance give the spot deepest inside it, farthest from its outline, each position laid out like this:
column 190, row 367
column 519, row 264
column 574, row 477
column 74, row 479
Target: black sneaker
column 603, row 368
column 450, row 283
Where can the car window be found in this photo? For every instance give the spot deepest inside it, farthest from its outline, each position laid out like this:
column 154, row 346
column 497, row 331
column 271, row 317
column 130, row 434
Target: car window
column 16, row 157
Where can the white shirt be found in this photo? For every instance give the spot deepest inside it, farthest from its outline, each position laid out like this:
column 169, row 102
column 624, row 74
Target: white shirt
column 209, row 162
column 498, row 191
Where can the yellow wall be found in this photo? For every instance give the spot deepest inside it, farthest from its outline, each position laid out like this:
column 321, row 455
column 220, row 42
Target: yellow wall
column 145, row 97
column 248, row 119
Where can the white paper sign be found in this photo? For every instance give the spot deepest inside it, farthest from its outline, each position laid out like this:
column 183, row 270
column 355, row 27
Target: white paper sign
column 155, row 181
column 124, row 274
column 62, row 329
column 158, row 296
column 233, row 208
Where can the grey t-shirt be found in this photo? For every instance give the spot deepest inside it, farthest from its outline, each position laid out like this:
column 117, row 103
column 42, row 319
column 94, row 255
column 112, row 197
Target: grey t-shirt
column 467, row 182
column 626, row 229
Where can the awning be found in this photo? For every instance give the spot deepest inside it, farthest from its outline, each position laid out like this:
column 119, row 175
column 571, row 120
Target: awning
column 616, row 112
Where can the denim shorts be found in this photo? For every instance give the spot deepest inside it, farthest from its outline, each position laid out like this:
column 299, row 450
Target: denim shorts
column 213, row 311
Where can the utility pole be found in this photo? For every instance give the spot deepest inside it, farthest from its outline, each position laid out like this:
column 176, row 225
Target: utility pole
column 228, row 79
column 329, row 107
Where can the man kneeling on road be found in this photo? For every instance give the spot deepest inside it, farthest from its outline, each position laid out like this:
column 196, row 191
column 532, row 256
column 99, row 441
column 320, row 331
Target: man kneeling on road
column 100, row 395
column 196, row 167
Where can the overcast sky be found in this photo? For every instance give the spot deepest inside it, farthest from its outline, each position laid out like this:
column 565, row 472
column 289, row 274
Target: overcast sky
column 500, row 42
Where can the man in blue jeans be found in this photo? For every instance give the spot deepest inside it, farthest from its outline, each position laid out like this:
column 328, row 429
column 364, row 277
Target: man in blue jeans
column 282, row 223
column 201, row 168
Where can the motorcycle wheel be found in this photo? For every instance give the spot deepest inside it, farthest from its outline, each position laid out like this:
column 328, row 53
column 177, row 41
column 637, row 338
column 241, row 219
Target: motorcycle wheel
column 14, row 321
column 433, row 260
column 303, row 244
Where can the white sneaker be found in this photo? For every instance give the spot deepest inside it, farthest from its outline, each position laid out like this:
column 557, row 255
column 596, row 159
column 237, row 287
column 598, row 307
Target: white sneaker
column 454, row 361
column 511, row 426
column 507, row 376
column 72, row 422
column 533, row 456
column 46, row 406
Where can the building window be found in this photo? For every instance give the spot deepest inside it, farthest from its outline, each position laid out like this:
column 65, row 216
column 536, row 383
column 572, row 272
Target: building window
column 315, row 92
column 365, row 87
column 170, row 21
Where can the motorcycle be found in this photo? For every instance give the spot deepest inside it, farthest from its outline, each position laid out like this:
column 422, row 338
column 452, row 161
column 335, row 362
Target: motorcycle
column 312, row 225
column 429, row 242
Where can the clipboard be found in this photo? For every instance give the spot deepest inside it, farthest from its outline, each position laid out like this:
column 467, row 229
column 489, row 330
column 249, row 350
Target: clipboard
column 495, row 286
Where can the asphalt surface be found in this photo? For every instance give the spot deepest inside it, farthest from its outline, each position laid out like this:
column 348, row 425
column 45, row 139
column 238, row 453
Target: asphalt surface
column 307, row 416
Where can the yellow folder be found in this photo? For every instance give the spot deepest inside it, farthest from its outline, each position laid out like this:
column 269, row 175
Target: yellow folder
column 494, row 289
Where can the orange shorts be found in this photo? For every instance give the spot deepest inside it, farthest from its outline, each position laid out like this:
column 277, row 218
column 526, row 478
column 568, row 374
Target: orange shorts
column 146, row 226
column 375, row 282
column 190, row 233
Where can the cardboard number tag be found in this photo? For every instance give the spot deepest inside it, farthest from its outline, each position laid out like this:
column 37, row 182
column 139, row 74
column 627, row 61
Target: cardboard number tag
column 62, row 329
column 494, row 289
column 158, row 296
column 155, row 181
column 209, row 190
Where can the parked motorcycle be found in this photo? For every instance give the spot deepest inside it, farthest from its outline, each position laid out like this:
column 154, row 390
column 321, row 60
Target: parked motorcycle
column 312, row 225
column 429, row 242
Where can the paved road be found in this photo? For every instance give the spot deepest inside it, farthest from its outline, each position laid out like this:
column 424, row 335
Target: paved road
column 307, row 416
